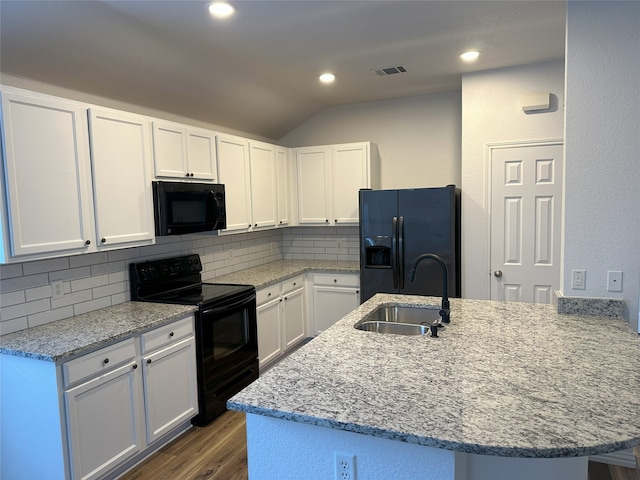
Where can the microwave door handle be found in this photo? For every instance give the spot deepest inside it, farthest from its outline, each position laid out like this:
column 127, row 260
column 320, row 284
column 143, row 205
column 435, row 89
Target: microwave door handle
column 215, row 200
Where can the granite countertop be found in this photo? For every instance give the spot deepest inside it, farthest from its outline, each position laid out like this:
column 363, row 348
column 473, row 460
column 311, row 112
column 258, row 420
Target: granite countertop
column 87, row 332
column 506, row 379
column 274, row 272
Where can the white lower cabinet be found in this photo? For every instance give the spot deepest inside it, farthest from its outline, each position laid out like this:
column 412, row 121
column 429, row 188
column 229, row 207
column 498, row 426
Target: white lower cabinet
column 281, row 318
column 122, row 393
column 334, row 295
column 170, row 382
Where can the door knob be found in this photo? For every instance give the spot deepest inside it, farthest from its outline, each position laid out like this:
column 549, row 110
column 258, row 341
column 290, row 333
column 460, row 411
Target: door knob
column 498, row 273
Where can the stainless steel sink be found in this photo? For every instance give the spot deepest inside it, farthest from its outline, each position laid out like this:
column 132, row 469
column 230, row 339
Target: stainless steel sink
column 391, row 327
column 401, row 320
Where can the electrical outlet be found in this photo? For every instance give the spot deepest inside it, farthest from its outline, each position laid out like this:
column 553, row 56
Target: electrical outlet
column 578, row 279
column 614, row 281
column 345, row 466
column 57, row 289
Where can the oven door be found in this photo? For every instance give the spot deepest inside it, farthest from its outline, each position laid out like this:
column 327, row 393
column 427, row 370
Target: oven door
column 228, row 338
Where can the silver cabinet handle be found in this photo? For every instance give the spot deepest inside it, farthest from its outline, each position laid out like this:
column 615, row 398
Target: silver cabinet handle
column 498, row 273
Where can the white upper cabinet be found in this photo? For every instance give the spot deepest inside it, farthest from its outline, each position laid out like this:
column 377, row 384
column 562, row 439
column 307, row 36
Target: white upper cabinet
column 283, row 190
column 184, row 152
column 262, row 162
column 48, row 178
column 121, row 165
column 313, row 166
column 329, row 179
column 233, row 171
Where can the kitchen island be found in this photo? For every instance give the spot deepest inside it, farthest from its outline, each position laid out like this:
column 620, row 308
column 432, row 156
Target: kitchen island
column 507, row 389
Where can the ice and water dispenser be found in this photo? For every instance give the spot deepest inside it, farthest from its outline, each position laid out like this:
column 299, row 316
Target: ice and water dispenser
column 377, row 251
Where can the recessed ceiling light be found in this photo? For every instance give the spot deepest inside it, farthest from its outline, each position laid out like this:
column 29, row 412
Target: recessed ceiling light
column 222, row 9
column 470, row 56
column 327, row 78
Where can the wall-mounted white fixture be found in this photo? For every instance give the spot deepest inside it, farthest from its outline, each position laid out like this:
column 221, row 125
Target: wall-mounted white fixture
column 535, row 101
column 222, row 9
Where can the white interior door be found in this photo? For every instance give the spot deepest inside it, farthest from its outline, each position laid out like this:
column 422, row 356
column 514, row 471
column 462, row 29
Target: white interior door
column 526, row 202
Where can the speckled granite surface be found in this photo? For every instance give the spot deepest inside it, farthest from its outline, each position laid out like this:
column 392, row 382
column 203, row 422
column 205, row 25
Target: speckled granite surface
column 274, row 272
column 613, row 307
column 90, row 331
column 508, row 379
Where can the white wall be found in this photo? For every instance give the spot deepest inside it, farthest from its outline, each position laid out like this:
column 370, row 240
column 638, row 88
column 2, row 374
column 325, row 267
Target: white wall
column 602, row 199
column 492, row 113
column 418, row 138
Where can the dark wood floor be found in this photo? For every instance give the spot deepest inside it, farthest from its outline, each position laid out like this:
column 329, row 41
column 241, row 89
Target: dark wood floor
column 219, row 452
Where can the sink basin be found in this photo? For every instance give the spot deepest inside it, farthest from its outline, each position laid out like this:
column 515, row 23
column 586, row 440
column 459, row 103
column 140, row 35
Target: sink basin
column 391, row 327
column 398, row 314
column 400, row 320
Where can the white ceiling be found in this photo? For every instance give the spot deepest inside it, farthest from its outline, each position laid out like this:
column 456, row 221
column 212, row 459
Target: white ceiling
column 257, row 72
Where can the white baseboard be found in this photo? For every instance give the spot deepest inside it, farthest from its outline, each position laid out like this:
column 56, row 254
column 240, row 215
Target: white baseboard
column 623, row 458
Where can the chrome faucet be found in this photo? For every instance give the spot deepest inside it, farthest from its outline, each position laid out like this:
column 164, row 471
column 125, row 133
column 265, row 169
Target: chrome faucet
column 444, row 310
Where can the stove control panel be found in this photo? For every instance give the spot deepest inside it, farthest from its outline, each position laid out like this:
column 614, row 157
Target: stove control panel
column 165, row 269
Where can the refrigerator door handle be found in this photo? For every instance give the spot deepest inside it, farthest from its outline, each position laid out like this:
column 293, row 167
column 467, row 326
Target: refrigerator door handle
column 401, row 252
column 394, row 251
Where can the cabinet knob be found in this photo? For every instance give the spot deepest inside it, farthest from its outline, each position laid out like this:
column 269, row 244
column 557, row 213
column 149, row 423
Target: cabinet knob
column 294, row 284
column 286, row 298
column 335, row 220
column 105, row 361
column 280, row 222
column 148, row 360
column 255, row 225
column 335, row 280
column 191, row 174
column 171, row 334
column 135, row 365
column 326, row 221
column 103, row 240
column 269, row 294
column 186, row 174
column 87, row 242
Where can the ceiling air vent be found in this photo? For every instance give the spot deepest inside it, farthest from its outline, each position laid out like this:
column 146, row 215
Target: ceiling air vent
column 384, row 71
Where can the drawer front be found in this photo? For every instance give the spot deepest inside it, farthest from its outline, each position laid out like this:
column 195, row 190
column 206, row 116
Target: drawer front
column 267, row 294
column 337, row 279
column 292, row 284
column 98, row 362
column 167, row 334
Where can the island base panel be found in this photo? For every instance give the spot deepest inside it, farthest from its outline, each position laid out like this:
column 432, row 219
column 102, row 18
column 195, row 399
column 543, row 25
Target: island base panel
column 279, row 449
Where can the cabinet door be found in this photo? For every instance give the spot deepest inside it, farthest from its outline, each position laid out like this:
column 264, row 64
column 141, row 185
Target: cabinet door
column 269, row 333
column 48, row 176
column 330, row 304
column 121, row 161
column 201, row 154
column 350, row 174
column 283, row 189
column 233, row 172
column 170, row 387
column 313, row 165
column 104, row 422
column 169, row 150
column 294, row 318
column 262, row 162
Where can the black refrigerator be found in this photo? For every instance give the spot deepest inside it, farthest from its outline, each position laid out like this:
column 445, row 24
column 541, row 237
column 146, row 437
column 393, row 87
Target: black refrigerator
column 396, row 226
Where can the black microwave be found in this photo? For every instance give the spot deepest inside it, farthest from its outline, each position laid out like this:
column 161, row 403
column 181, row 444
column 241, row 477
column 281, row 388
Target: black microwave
column 181, row 208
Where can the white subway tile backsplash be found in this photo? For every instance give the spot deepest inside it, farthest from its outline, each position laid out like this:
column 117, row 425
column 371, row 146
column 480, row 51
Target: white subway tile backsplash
column 37, row 293
column 13, row 298
column 101, row 279
column 72, row 298
column 80, row 308
column 71, row 273
column 27, row 308
column 41, row 266
column 11, row 271
column 24, row 282
column 13, row 325
column 50, row 316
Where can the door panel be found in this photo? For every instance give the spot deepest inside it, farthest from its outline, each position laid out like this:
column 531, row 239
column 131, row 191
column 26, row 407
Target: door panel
column 526, row 198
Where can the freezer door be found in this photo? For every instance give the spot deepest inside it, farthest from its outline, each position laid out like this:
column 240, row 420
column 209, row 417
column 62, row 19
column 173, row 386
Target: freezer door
column 428, row 217
column 378, row 243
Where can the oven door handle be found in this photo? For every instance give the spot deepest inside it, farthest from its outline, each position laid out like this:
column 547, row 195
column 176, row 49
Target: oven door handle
column 229, row 306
